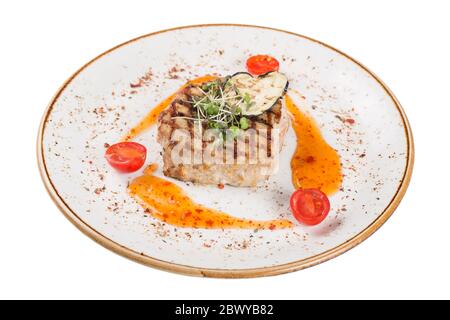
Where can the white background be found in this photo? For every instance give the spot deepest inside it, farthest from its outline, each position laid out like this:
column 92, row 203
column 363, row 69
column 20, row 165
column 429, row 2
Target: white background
column 43, row 42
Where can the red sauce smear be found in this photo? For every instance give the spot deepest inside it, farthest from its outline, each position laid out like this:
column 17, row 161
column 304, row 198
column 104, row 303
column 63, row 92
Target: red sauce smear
column 166, row 201
column 315, row 163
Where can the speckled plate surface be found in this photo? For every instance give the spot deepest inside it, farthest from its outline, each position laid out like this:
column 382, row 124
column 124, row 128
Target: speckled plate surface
column 98, row 105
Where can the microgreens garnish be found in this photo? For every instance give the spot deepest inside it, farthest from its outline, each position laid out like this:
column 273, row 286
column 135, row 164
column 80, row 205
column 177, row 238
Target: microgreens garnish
column 219, row 107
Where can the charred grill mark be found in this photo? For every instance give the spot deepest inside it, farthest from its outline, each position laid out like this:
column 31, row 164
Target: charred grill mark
column 269, row 142
column 269, row 135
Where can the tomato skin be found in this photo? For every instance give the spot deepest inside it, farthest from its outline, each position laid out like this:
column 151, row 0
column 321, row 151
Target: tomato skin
column 261, row 64
column 126, row 157
column 310, row 206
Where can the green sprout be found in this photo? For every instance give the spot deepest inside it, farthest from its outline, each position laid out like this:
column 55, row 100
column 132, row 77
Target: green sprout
column 234, row 131
column 243, row 122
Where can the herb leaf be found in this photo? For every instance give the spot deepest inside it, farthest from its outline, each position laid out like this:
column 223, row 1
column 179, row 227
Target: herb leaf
column 247, row 98
column 243, row 122
column 234, row 131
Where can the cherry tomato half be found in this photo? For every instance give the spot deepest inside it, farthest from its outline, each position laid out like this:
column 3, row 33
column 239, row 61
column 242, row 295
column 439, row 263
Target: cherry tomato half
column 262, row 64
column 126, row 156
column 310, row 206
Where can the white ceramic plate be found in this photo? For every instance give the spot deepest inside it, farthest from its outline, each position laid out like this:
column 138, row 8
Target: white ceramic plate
column 97, row 106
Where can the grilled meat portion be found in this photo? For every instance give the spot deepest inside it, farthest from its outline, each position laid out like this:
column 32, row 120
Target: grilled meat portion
column 210, row 157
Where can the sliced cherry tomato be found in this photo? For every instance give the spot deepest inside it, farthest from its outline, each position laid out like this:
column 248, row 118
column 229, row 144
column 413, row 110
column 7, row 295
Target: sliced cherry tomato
column 310, row 206
column 262, row 64
column 126, row 156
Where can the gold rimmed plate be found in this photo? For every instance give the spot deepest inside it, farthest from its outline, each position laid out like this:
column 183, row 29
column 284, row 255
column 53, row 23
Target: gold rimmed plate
column 111, row 93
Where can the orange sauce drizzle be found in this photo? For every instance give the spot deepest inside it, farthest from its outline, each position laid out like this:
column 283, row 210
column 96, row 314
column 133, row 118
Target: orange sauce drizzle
column 151, row 118
column 315, row 163
column 166, row 201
